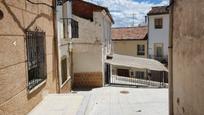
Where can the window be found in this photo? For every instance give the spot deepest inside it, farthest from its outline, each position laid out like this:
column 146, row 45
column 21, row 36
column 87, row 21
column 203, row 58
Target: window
column 75, row 29
column 131, row 73
column 140, row 50
column 64, row 69
column 158, row 23
column 59, row 2
column 158, row 50
column 139, row 74
column 36, row 59
column 123, row 72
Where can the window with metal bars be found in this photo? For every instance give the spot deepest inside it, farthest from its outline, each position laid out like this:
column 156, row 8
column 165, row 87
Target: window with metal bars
column 64, row 69
column 75, row 29
column 36, row 59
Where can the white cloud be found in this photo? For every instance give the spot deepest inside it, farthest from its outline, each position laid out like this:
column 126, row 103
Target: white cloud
column 123, row 10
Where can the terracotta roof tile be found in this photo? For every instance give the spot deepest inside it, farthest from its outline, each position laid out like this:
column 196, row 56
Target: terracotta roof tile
column 158, row 10
column 129, row 33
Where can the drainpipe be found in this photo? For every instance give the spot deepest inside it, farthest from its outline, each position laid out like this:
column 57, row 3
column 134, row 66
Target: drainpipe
column 56, row 55
column 170, row 59
column 67, row 15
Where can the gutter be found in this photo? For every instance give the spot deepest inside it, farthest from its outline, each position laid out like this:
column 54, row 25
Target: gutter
column 170, row 65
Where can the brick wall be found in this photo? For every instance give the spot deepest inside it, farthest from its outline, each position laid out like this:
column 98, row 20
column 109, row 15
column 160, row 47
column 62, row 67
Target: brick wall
column 67, row 87
column 88, row 80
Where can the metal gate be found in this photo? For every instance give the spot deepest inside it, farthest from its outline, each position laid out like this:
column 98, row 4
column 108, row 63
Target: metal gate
column 107, row 73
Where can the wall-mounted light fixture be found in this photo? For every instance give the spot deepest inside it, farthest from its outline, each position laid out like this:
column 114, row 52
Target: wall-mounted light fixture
column 1, row 15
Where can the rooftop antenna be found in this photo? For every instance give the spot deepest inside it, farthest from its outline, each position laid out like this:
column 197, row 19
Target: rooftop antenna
column 133, row 19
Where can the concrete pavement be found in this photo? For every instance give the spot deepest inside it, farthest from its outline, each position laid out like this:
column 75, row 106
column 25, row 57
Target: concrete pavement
column 134, row 101
column 106, row 101
column 58, row 104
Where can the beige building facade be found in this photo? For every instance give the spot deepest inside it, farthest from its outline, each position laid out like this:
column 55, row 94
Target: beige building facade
column 187, row 57
column 28, row 54
column 130, row 41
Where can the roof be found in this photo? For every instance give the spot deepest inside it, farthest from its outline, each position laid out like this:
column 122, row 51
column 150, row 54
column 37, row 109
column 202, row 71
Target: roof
column 85, row 9
column 136, row 62
column 129, row 33
column 158, row 10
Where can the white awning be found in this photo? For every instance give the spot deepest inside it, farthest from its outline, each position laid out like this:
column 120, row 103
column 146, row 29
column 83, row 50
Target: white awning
column 136, row 62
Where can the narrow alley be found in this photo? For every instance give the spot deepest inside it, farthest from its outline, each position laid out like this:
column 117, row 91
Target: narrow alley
column 101, row 57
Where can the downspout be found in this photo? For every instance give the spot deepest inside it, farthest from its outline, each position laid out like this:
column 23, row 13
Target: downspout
column 70, row 44
column 148, row 71
column 56, row 52
column 170, row 59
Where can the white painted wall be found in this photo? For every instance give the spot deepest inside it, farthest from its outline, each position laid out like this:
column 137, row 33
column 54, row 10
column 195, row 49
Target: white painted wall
column 62, row 40
column 158, row 35
column 59, row 23
column 90, row 48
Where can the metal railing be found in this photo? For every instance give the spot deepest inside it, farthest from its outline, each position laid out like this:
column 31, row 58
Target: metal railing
column 135, row 81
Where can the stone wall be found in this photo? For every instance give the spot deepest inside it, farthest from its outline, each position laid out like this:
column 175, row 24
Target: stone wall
column 18, row 16
column 188, row 57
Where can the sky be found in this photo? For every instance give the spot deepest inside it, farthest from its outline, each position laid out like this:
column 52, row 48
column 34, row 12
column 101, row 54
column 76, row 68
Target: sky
column 123, row 11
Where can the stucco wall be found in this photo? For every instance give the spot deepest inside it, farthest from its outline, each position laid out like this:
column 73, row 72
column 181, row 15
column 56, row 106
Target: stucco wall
column 129, row 47
column 188, row 57
column 19, row 15
column 158, row 35
column 92, row 44
column 87, row 49
column 90, row 48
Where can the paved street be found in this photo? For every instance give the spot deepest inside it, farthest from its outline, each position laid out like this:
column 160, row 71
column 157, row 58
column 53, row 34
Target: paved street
column 127, row 101
column 106, row 101
column 58, row 104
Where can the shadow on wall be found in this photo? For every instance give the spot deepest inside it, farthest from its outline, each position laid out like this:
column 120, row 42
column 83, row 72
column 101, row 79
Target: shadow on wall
column 48, row 17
